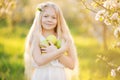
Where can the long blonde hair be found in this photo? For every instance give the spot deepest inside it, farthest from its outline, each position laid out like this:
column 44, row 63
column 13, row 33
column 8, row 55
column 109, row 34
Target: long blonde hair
column 36, row 29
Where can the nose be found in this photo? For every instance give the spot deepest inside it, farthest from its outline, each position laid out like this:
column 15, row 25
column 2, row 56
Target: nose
column 49, row 19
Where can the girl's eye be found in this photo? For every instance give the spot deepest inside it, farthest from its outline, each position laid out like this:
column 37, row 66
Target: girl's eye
column 54, row 17
column 45, row 15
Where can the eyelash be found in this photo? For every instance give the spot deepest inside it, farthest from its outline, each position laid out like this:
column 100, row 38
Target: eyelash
column 52, row 17
column 45, row 16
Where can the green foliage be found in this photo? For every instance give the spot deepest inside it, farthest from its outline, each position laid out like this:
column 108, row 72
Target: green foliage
column 3, row 23
column 11, row 53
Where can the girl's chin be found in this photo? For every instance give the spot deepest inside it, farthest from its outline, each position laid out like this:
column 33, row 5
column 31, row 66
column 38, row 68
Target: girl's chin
column 49, row 28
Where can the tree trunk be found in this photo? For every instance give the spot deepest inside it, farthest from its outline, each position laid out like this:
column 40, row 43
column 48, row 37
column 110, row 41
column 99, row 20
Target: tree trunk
column 104, row 37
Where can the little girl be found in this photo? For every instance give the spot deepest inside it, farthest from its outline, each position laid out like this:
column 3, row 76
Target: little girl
column 51, row 65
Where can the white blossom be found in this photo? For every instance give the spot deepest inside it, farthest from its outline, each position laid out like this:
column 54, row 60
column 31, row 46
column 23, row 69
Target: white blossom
column 100, row 14
column 118, row 46
column 117, row 32
column 113, row 4
column 106, row 14
column 118, row 69
column 107, row 4
column 113, row 73
column 114, row 16
column 107, row 22
column 110, row 4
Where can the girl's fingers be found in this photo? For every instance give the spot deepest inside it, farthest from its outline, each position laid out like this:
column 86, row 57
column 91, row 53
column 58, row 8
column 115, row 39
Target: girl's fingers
column 50, row 43
column 41, row 45
column 66, row 44
column 43, row 51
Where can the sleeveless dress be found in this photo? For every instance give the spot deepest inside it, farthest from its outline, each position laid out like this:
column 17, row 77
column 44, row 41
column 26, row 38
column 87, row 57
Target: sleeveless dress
column 53, row 70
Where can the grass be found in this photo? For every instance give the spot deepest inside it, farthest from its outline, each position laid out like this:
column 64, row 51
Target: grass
column 11, row 54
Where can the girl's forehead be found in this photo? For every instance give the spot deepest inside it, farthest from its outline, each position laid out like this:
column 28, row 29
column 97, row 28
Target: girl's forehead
column 49, row 10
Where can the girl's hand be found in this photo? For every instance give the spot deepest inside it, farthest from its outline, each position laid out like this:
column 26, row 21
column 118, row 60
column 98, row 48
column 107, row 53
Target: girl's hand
column 65, row 45
column 49, row 49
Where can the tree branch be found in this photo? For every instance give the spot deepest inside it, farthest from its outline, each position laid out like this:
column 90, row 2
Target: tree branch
column 87, row 6
column 101, row 5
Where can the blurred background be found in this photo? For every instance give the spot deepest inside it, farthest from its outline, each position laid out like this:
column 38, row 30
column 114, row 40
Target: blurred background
column 98, row 56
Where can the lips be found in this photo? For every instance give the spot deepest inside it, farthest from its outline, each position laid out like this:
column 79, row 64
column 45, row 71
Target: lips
column 49, row 24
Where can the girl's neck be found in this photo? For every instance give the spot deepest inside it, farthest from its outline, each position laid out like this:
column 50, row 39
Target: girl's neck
column 48, row 32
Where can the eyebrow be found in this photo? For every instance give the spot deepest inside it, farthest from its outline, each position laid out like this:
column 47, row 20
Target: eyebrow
column 49, row 14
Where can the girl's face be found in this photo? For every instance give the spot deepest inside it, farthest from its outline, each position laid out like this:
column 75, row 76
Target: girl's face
column 49, row 19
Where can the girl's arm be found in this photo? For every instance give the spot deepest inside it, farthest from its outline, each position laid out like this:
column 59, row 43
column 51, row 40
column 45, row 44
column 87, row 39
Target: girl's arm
column 70, row 59
column 45, row 58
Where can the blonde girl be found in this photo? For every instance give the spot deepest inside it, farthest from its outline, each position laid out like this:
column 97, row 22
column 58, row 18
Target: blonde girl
column 49, row 20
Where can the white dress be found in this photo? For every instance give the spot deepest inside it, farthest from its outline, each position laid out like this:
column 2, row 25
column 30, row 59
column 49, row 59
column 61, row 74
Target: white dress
column 54, row 70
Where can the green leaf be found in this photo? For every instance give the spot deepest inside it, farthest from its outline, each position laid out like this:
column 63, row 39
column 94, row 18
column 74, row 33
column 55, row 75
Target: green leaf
column 39, row 9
